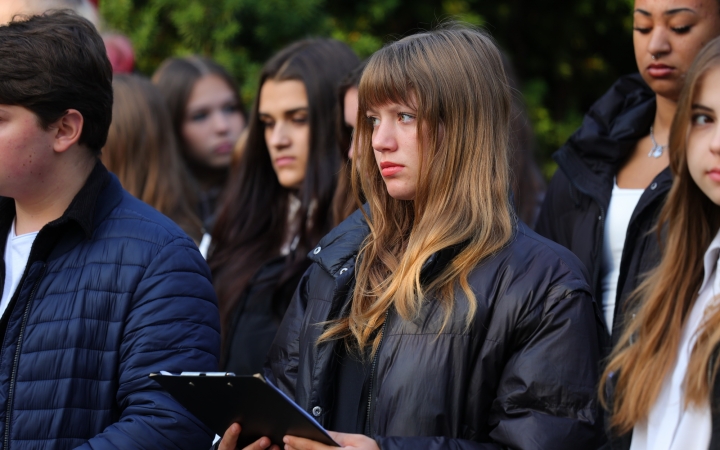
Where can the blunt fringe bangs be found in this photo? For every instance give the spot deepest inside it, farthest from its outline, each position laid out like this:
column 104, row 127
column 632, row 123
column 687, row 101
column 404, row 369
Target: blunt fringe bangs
column 388, row 80
column 54, row 62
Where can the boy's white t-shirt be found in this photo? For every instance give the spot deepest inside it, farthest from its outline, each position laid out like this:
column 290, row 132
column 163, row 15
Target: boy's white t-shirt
column 17, row 252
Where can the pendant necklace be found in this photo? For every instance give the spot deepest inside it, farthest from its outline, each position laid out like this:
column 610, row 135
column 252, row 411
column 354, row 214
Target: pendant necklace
column 657, row 149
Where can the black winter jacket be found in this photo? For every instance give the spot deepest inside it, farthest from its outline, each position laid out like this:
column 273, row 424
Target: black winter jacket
column 257, row 318
column 523, row 376
column 577, row 199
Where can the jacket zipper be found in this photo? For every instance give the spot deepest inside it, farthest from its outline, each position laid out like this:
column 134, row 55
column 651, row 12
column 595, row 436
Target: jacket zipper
column 598, row 239
column 17, row 358
column 368, row 424
column 598, row 258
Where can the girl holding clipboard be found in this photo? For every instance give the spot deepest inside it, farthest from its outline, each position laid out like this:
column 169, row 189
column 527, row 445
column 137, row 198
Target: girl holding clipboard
column 432, row 317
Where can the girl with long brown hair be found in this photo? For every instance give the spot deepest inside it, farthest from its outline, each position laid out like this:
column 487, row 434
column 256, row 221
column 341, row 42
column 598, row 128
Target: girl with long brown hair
column 142, row 151
column 207, row 117
column 277, row 203
column 662, row 377
column 433, row 318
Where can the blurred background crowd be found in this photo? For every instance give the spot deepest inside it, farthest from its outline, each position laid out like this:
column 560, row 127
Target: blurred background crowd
column 234, row 118
column 565, row 53
column 190, row 78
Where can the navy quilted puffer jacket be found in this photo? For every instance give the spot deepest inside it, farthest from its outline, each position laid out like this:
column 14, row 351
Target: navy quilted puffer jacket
column 113, row 291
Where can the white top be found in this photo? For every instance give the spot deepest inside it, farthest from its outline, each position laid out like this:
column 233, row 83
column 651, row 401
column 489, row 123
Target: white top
column 669, row 425
column 204, row 245
column 17, row 252
column 617, row 220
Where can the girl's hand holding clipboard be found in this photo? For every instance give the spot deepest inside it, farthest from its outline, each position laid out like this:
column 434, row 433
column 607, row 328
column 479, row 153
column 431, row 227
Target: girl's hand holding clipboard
column 347, row 441
column 230, row 438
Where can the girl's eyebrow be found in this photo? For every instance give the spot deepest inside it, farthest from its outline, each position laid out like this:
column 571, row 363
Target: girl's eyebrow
column 670, row 12
column 702, row 107
column 289, row 112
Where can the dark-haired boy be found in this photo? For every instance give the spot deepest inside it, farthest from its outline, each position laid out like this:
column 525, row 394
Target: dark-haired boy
column 98, row 289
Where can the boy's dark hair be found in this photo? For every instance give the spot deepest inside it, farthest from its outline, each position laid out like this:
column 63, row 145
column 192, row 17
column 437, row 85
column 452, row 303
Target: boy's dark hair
column 54, row 62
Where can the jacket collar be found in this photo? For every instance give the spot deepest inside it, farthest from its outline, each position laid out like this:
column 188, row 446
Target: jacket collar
column 341, row 245
column 82, row 209
column 609, row 132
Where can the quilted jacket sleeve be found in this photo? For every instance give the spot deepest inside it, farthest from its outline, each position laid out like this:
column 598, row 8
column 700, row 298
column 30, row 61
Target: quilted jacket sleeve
column 172, row 325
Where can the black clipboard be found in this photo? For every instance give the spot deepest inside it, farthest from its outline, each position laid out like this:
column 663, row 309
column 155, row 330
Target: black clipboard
column 261, row 409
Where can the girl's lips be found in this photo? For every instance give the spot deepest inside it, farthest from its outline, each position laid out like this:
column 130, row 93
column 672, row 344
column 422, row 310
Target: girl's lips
column 388, row 169
column 660, row 70
column 224, row 149
column 284, row 161
column 714, row 175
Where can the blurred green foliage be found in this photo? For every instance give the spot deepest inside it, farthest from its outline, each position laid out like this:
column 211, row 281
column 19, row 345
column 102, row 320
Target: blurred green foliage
column 566, row 53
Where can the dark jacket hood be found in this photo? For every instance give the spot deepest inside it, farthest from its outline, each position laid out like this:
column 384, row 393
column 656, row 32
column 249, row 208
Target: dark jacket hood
column 610, row 130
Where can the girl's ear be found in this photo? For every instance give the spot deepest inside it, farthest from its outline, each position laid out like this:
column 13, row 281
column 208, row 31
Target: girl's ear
column 68, row 130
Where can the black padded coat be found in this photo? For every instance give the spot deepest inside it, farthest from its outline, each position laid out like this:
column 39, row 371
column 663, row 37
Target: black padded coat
column 577, row 199
column 256, row 318
column 523, row 376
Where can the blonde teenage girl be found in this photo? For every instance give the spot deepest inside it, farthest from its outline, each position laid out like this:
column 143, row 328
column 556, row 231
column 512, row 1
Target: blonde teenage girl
column 433, row 318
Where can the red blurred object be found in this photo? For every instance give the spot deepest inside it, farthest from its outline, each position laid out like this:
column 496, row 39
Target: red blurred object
column 95, row 2
column 120, row 53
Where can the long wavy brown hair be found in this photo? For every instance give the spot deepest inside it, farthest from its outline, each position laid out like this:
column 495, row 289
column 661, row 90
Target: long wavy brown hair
column 454, row 77
column 648, row 347
column 142, row 151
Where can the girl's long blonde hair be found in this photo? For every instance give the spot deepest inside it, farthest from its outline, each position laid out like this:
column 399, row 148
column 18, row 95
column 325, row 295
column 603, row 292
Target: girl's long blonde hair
column 648, row 347
column 455, row 79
